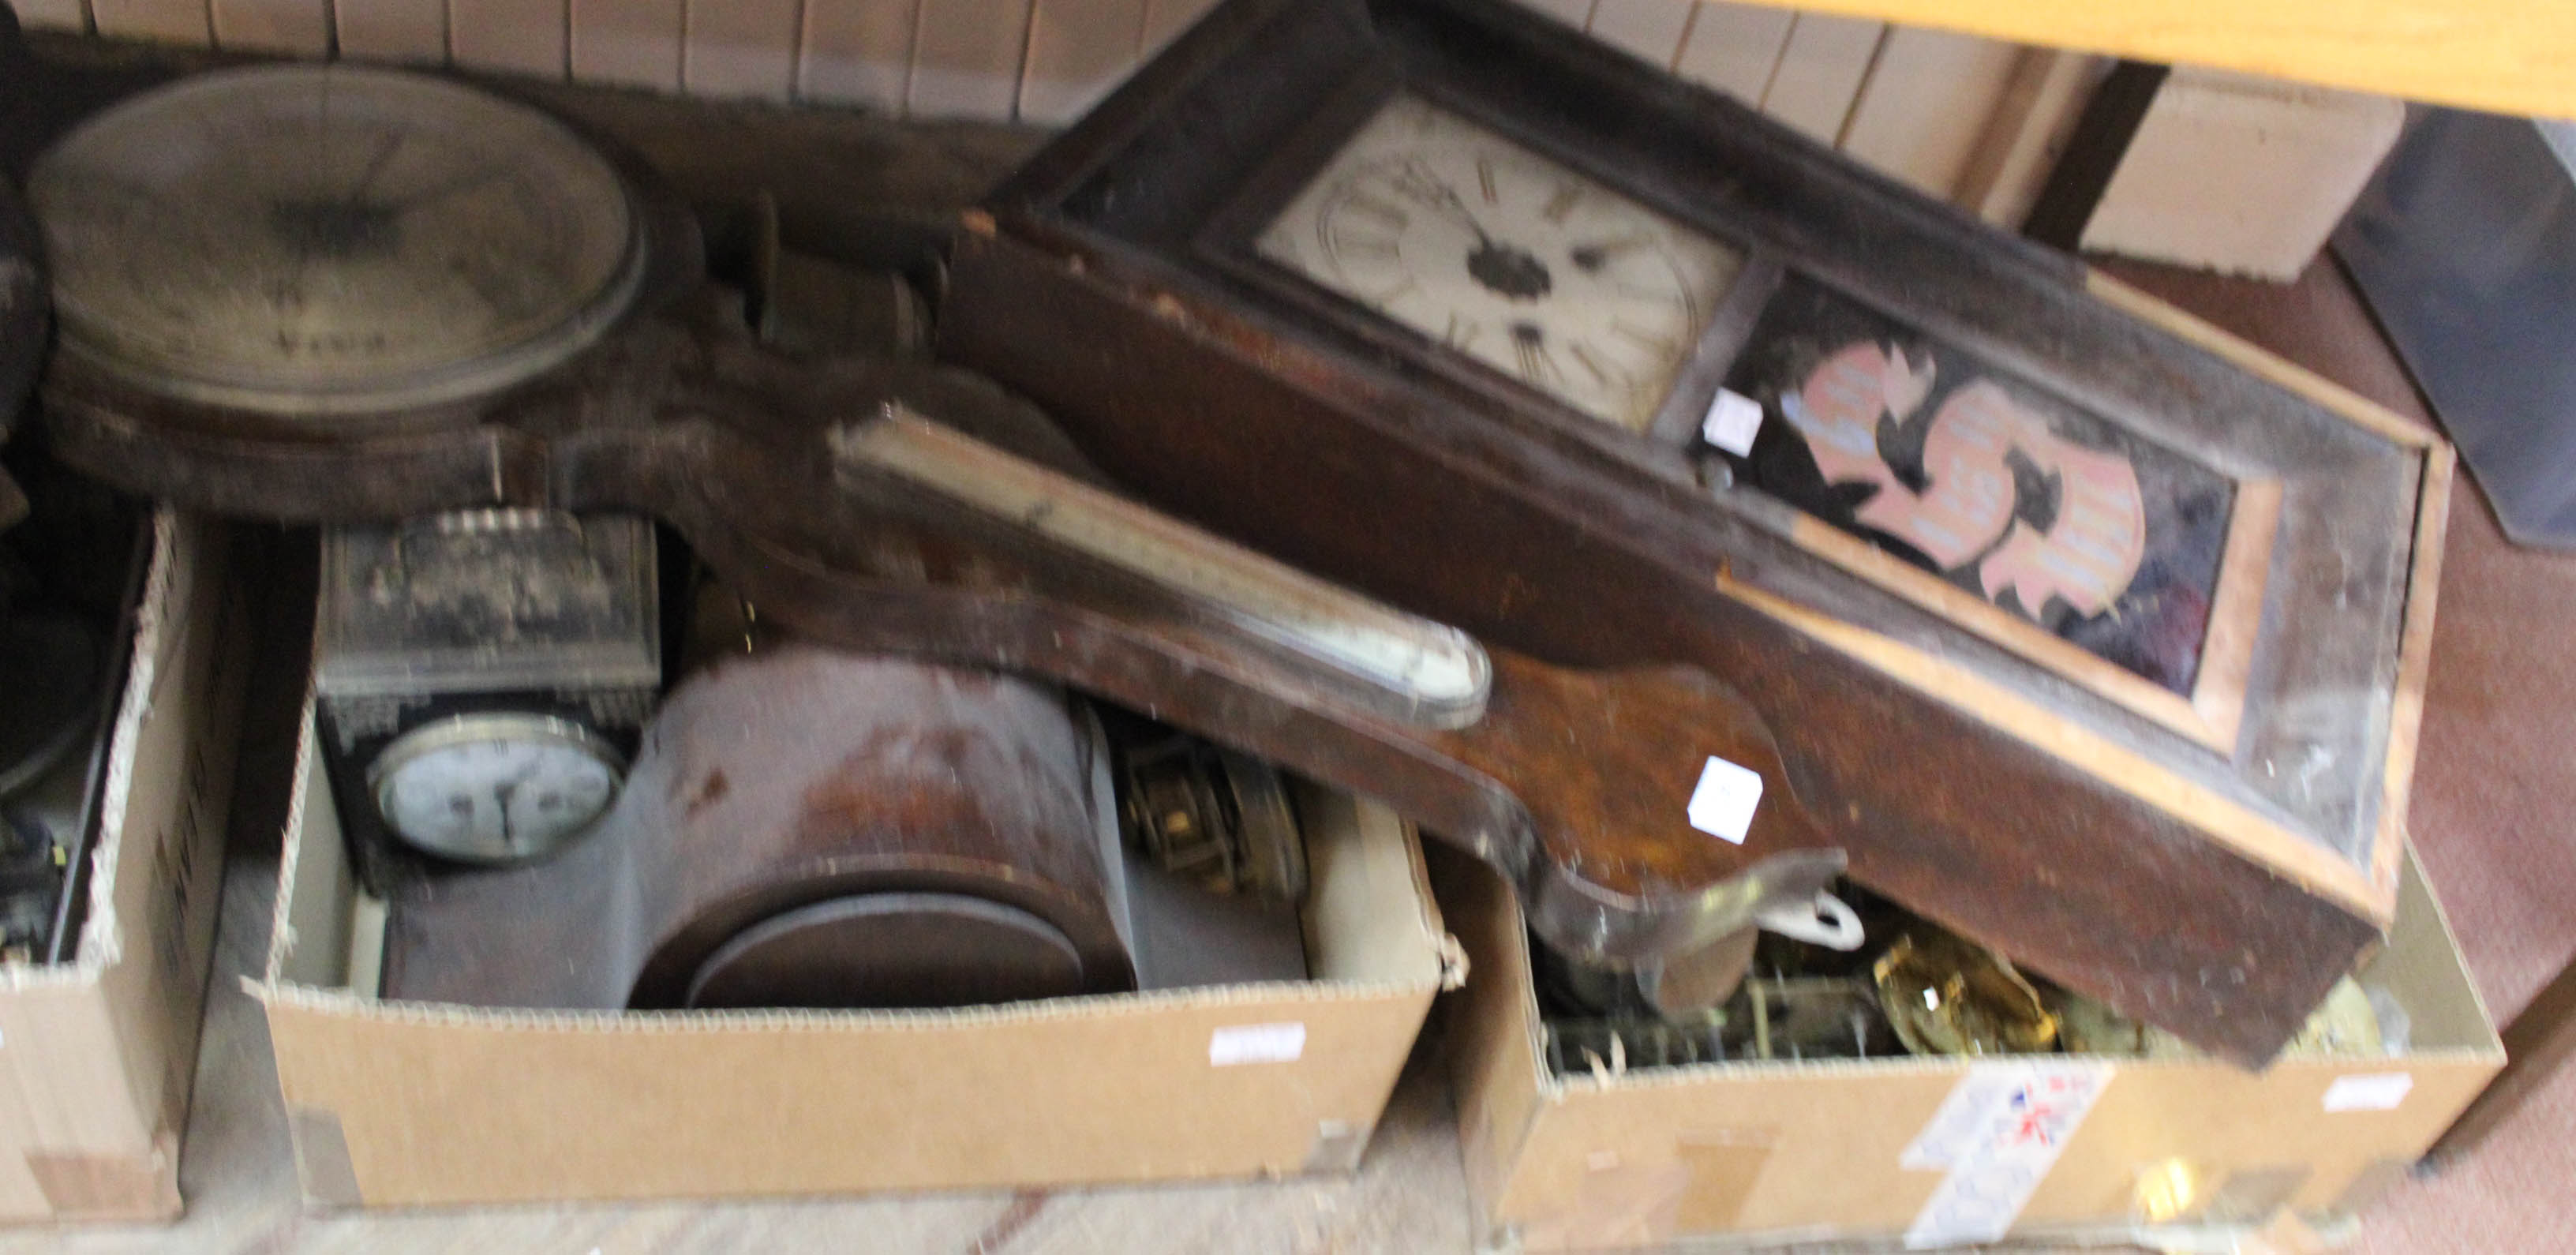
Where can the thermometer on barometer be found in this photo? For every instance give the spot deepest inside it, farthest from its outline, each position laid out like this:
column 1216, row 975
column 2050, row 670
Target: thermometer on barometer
column 1421, row 671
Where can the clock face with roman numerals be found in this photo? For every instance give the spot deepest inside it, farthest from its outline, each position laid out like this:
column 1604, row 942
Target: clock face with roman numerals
column 1506, row 257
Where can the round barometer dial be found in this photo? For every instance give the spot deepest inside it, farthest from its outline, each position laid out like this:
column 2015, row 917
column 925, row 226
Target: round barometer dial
column 495, row 788
column 311, row 241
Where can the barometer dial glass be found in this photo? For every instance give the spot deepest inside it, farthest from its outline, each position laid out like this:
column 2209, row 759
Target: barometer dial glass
column 317, row 241
column 1506, row 257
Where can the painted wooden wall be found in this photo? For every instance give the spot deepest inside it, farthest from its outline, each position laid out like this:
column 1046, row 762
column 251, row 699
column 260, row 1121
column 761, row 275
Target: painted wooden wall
column 1967, row 119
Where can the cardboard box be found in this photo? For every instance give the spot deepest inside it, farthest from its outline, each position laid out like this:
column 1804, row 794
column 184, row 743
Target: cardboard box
column 407, row 1104
column 98, row 1053
column 1785, row 1151
column 2242, row 175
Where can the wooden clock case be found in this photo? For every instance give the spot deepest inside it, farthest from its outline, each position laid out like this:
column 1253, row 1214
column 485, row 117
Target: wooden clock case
column 2206, row 845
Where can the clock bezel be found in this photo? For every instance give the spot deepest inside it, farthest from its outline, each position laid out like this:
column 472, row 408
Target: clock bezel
column 471, row 727
column 1226, row 243
column 1230, row 242
column 231, row 382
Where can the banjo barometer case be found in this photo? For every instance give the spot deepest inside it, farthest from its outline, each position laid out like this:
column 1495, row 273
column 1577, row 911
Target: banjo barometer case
column 337, row 295
column 2079, row 627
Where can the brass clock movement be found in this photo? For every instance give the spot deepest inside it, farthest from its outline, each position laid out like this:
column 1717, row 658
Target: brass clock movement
column 2091, row 633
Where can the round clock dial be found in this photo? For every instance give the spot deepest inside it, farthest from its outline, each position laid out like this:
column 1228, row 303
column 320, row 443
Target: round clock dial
column 493, row 788
column 326, row 241
column 1506, row 257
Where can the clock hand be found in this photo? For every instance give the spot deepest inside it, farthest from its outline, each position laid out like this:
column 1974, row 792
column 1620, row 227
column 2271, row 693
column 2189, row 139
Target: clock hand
column 1427, row 190
column 501, row 793
column 1508, row 269
column 1457, row 208
column 375, row 166
column 341, row 221
column 1590, row 258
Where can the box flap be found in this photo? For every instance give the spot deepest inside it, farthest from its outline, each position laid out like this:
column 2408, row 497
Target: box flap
column 1352, row 935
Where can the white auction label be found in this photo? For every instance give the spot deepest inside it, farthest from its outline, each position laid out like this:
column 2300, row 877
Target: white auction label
column 1995, row 1138
column 2377, row 1091
column 1256, row 1043
column 1722, row 804
column 1734, row 419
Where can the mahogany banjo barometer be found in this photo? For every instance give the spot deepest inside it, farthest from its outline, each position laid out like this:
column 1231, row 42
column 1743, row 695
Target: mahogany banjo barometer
column 2082, row 628
column 329, row 294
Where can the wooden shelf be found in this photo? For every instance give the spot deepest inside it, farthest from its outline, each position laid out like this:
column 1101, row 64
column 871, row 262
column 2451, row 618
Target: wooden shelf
column 2510, row 56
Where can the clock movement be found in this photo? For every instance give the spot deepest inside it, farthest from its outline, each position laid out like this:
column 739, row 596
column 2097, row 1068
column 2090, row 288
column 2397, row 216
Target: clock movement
column 2081, row 628
column 328, row 331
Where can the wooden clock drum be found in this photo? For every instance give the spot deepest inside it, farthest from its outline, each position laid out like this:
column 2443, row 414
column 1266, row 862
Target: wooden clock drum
column 2079, row 626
